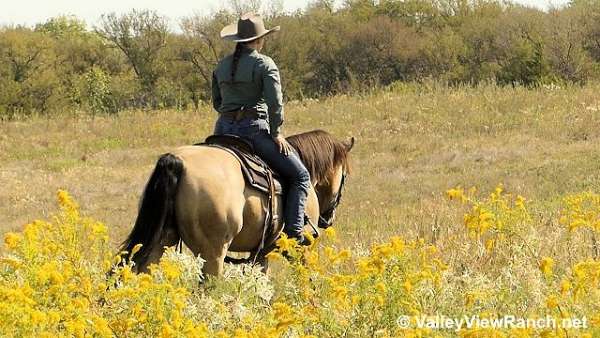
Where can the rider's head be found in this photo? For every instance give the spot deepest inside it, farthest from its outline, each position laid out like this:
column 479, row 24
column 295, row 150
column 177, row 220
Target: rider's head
column 249, row 30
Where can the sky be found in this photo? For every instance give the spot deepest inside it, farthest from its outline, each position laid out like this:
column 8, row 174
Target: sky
column 30, row 12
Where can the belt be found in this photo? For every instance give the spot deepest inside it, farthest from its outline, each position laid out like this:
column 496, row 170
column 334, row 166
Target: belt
column 242, row 113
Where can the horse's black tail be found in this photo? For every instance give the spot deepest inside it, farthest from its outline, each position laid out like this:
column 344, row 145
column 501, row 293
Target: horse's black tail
column 156, row 223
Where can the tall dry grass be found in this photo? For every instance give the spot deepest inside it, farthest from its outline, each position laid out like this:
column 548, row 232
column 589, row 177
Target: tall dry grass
column 414, row 142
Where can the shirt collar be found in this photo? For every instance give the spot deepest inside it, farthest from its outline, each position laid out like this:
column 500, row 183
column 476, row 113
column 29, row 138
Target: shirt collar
column 248, row 50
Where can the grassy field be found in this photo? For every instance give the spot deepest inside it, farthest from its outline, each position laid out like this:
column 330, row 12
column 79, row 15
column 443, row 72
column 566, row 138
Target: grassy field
column 414, row 143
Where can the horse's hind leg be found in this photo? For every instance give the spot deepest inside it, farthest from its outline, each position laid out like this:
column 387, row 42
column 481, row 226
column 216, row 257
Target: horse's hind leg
column 214, row 257
column 209, row 205
column 169, row 238
column 210, row 242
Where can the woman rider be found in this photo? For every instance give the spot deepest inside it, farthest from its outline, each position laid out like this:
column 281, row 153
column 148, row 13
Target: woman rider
column 246, row 91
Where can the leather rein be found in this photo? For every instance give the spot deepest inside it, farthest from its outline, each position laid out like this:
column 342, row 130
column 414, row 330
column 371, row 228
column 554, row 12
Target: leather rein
column 326, row 218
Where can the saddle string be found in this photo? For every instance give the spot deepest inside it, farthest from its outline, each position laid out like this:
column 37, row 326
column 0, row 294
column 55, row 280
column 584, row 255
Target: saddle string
column 269, row 218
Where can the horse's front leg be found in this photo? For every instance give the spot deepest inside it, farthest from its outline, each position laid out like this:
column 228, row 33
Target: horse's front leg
column 263, row 261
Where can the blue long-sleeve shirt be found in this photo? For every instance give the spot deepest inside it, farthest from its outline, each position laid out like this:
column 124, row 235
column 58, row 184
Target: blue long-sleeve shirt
column 257, row 85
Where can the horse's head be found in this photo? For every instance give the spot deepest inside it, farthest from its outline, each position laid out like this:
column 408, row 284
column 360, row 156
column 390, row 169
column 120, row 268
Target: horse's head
column 326, row 158
column 329, row 192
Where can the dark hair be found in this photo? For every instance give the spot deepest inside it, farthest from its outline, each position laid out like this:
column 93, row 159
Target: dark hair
column 236, row 59
column 320, row 152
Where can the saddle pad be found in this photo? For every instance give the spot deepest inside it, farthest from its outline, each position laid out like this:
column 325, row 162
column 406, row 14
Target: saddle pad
column 253, row 167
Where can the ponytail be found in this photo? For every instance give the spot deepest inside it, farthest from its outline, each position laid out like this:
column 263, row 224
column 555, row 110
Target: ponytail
column 236, row 59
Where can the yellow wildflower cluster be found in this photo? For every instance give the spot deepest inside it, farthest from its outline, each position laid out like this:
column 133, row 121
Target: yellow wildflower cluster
column 61, row 278
column 581, row 210
column 504, row 226
column 494, row 218
column 575, row 295
column 546, row 266
column 339, row 291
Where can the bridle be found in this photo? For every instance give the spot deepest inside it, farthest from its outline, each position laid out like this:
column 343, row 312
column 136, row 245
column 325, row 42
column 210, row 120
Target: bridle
column 326, row 217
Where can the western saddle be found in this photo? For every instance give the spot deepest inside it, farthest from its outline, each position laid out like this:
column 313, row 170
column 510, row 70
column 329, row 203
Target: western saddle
column 256, row 172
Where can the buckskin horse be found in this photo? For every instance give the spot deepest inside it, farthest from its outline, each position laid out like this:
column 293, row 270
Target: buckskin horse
column 198, row 194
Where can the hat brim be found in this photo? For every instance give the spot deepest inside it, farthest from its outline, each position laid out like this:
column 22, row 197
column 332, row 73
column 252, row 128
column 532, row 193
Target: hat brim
column 230, row 33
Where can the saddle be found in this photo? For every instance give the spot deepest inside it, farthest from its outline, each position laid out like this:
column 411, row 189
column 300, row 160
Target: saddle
column 255, row 170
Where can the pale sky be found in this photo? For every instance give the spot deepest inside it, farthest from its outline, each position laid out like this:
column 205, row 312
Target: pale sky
column 30, row 12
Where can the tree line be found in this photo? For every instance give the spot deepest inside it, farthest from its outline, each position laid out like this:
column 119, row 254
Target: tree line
column 136, row 60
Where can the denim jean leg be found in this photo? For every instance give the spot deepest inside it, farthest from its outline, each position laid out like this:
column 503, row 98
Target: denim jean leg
column 223, row 126
column 296, row 177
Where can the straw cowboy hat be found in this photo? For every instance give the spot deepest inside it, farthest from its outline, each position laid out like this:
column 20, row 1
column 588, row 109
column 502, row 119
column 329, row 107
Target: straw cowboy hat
column 249, row 27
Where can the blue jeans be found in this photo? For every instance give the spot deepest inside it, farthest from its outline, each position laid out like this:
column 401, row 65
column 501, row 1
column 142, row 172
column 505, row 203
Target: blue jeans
column 294, row 174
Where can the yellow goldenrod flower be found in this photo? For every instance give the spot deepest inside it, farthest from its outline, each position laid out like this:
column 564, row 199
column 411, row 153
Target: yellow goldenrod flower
column 284, row 315
column 408, row 287
column 330, row 233
column 565, row 287
column 135, row 250
column 456, row 194
column 546, row 266
column 286, row 244
column 12, row 240
column 551, row 302
column 489, row 245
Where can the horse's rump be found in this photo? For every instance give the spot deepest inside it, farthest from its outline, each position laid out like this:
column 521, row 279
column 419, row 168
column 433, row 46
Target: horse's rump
column 214, row 195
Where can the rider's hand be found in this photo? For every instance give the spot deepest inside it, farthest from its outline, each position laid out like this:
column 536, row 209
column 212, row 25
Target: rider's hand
column 284, row 147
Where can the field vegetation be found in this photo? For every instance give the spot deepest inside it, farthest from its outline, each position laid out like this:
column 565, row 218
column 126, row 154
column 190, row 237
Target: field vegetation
column 474, row 190
column 412, row 236
column 144, row 60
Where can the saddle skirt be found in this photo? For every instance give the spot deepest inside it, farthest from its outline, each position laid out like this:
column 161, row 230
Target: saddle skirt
column 256, row 171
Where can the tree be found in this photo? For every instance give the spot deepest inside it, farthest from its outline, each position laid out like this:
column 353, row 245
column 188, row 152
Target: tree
column 29, row 83
column 67, row 26
column 141, row 36
column 276, row 8
column 244, row 6
column 590, row 20
column 24, row 51
column 201, row 48
column 564, row 50
column 412, row 12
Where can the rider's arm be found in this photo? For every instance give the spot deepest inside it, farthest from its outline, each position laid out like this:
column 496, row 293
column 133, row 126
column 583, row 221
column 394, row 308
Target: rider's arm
column 216, row 93
column 273, row 95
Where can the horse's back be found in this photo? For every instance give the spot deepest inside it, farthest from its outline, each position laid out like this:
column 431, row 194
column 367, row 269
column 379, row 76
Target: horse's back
column 203, row 161
column 211, row 172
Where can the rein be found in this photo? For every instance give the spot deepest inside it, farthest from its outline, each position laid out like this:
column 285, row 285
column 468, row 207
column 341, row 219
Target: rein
column 327, row 221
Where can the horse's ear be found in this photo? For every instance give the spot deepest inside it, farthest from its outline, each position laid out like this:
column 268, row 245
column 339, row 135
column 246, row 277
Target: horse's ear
column 350, row 143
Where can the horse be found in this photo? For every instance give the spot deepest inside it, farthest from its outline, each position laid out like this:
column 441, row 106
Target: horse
column 198, row 195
